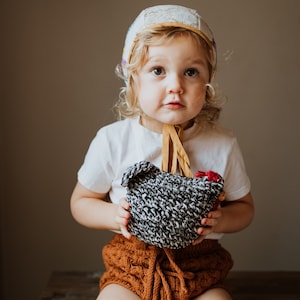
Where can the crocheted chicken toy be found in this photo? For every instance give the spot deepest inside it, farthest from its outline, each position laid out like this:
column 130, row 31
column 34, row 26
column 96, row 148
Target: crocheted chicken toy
column 166, row 209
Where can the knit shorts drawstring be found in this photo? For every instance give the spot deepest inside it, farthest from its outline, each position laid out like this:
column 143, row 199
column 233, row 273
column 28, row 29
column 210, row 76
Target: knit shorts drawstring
column 158, row 283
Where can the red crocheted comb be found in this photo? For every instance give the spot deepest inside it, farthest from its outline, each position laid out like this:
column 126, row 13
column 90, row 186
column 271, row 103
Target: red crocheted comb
column 212, row 176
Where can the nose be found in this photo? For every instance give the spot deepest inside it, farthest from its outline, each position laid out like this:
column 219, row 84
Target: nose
column 175, row 84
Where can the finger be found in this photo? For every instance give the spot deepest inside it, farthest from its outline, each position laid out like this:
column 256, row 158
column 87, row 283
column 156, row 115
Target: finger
column 198, row 240
column 122, row 224
column 125, row 232
column 214, row 214
column 208, row 222
column 204, row 231
column 122, row 213
column 200, row 231
column 121, row 221
column 124, row 203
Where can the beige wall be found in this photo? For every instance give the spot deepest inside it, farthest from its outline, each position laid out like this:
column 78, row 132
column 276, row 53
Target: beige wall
column 58, row 60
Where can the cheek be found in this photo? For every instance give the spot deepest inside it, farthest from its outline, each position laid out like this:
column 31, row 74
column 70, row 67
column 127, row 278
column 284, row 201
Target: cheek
column 138, row 87
column 198, row 106
column 145, row 91
column 198, row 103
column 145, row 104
column 199, row 96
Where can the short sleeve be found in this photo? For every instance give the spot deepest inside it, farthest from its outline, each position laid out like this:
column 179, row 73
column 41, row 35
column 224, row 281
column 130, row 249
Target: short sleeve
column 237, row 182
column 96, row 172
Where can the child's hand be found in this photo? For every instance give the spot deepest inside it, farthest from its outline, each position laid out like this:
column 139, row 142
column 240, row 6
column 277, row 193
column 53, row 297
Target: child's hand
column 209, row 225
column 122, row 217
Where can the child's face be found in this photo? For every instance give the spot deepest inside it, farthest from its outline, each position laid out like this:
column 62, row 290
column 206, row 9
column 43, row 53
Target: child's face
column 171, row 85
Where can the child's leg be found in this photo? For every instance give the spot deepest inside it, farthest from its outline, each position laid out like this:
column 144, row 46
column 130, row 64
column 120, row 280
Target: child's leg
column 214, row 294
column 116, row 291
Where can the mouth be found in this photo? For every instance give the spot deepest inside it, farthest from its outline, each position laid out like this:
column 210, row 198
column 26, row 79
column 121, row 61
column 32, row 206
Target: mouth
column 174, row 105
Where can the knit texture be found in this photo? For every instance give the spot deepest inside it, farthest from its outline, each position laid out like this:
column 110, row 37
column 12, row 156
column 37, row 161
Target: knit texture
column 166, row 209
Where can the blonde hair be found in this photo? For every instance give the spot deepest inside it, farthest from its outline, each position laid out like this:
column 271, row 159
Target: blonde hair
column 127, row 105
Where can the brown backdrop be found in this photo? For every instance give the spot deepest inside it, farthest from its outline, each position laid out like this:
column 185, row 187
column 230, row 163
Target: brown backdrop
column 57, row 88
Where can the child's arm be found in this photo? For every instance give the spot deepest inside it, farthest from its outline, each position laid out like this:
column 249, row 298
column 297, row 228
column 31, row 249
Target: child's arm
column 234, row 216
column 91, row 210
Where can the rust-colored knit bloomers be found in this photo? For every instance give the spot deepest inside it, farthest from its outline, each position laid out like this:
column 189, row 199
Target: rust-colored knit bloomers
column 163, row 274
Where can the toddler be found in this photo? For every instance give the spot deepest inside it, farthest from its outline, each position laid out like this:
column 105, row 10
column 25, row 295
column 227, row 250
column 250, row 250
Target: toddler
column 168, row 65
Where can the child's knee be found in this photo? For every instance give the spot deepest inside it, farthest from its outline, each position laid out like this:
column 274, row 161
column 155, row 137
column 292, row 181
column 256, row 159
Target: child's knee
column 214, row 294
column 115, row 291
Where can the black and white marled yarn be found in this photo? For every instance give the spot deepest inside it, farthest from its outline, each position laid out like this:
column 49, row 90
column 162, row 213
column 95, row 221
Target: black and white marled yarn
column 165, row 208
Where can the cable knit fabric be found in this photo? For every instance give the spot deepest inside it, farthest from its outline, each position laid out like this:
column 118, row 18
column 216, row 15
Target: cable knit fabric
column 163, row 274
column 166, row 209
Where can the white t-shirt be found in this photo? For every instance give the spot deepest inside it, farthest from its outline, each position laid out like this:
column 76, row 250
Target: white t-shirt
column 124, row 143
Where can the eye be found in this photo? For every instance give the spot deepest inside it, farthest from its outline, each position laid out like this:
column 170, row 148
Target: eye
column 191, row 72
column 157, row 71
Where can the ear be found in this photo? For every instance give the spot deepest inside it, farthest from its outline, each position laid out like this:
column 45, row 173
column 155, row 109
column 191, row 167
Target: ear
column 210, row 92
